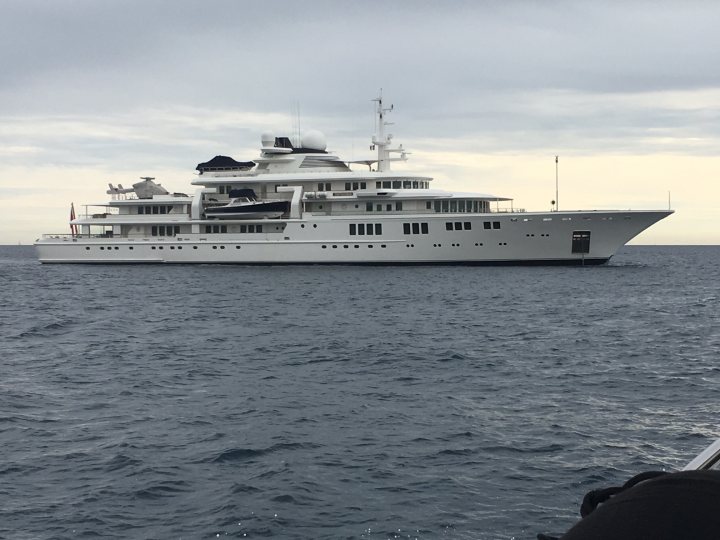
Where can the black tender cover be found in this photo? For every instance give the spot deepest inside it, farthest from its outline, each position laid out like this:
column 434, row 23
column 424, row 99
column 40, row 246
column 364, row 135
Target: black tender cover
column 224, row 162
column 682, row 505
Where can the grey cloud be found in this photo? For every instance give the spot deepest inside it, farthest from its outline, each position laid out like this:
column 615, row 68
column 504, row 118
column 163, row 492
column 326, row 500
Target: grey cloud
column 482, row 71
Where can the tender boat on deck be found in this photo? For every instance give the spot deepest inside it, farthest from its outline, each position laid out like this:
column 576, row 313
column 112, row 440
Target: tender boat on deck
column 245, row 205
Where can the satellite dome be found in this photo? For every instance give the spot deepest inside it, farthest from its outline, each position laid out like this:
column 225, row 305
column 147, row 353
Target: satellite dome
column 268, row 139
column 314, row 140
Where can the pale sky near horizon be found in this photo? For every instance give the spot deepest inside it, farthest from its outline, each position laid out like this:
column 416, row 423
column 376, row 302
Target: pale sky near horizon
column 486, row 93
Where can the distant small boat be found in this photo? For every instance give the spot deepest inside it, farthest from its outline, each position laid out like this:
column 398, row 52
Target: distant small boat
column 244, row 204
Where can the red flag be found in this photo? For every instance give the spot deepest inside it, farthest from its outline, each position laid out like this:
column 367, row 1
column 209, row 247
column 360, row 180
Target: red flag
column 73, row 227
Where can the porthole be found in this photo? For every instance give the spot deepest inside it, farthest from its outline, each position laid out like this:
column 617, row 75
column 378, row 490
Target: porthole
column 87, row 248
column 324, row 247
column 214, row 247
column 102, row 248
column 302, row 226
column 383, row 246
column 237, row 247
column 370, row 246
column 131, row 248
column 334, row 247
column 117, row 247
column 194, row 247
column 314, row 225
column 222, row 247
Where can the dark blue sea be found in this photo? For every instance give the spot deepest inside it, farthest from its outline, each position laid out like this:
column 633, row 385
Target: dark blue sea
column 346, row 402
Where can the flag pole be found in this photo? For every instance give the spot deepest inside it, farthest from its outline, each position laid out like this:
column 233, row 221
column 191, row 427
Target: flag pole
column 557, row 202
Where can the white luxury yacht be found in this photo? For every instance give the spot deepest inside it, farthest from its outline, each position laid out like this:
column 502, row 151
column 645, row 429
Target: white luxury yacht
column 303, row 205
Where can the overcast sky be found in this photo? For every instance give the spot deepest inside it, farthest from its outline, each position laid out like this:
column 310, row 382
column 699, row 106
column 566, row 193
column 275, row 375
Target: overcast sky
column 485, row 94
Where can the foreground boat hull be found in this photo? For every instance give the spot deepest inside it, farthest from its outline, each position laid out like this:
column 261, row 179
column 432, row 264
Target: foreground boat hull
column 520, row 238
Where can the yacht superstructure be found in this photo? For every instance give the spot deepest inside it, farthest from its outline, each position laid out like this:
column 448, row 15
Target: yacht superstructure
column 303, row 205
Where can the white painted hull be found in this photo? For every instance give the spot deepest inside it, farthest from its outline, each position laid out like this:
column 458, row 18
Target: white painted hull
column 530, row 238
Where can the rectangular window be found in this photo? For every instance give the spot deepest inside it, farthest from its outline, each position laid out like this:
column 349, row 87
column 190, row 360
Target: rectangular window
column 448, row 226
column 378, row 228
column 347, row 186
column 428, row 205
column 140, row 210
column 363, row 185
column 398, row 206
column 379, row 208
column 251, row 228
column 154, row 230
column 378, row 185
column 475, row 207
column 355, row 186
column 496, row 224
column 321, row 187
column 415, row 184
column 258, row 228
column 444, row 206
column 461, row 206
column 163, row 209
column 581, row 242
column 161, row 230
column 177, row 229
column 453, row 206
column 424, row 228
column 221, row 190
column 223, row 228
column 208, row 229
column 155, row 209
column 437, row 205
column 368, row 207
column 467, row 226
column 388, row 207
column 243, row 228
column 361, row 229
column 328, row 187
column 458, row 226
column 416, row 228
column 216, row 229
column 353, row 229
column 396, row 184
column 486, row 225
column 386, row 184
column 369, row 228
column 406, row 228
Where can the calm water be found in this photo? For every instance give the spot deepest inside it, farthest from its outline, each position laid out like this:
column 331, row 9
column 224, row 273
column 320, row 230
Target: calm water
column 342, row 402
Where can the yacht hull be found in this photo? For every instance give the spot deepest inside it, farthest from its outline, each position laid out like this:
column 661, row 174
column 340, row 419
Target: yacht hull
column 570, row 238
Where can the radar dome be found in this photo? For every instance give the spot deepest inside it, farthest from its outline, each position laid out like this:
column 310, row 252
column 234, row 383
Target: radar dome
column 314, row 140
column 267, row 139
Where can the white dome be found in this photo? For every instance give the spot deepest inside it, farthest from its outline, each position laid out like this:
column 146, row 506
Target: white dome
column 314, row 140
column 267, row 139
